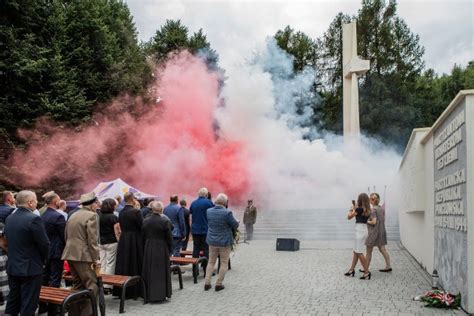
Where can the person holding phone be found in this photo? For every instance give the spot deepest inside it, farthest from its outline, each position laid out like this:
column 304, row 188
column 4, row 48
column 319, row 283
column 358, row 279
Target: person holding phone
column 361, row 212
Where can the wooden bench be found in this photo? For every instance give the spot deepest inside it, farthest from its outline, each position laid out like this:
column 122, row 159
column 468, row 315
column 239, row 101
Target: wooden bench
column 194, row 261
column 185, row 253
column 123, row 282
column 65, row 298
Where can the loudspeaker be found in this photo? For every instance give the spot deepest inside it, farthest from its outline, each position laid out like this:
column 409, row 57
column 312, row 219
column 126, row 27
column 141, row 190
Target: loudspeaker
column 287, row 244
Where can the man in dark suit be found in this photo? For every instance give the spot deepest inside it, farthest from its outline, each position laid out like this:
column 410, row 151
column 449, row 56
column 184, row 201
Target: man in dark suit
column 55, row 224
column 187, row 222
column 199, row 226
column 28, row 247
column 7, row 205
column 176, row 216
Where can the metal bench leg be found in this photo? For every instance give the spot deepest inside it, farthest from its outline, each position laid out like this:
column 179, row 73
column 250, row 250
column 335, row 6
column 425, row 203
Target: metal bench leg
column 195, row 272
column 122, row 299
column 82, row 294
column 131, row 281
column 145, row 297
column 204, row 261
column 180, row 278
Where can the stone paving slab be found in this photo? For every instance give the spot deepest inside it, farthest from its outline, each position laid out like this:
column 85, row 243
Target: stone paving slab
column 307, row 282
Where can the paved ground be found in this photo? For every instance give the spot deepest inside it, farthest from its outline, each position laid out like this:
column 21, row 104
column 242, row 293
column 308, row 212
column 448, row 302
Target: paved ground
column 311, row 281
column 308, row 282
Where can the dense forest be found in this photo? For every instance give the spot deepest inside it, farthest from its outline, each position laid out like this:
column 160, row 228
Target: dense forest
column 63, row 59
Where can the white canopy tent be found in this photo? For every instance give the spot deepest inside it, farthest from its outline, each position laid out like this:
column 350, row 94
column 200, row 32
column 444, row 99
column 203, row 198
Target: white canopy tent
column 116, row 187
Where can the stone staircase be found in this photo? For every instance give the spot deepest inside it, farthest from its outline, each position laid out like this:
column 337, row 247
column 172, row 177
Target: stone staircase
column 315, row 224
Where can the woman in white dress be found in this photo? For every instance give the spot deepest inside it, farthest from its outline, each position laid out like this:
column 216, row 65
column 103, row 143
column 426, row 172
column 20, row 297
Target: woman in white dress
column 361, row 212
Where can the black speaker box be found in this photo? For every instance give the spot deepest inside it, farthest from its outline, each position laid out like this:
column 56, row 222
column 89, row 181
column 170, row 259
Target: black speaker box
column 287, row 244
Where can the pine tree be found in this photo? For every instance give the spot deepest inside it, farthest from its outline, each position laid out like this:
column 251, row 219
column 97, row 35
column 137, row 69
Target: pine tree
column 174, row 37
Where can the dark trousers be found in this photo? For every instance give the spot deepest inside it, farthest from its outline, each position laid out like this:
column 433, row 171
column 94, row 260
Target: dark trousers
column 177, row 244
column 200, row 244
column 83, row 277
column 249, row 231
column 52, row 275
column 24, row 294
column 185, row 242
column 53, row 272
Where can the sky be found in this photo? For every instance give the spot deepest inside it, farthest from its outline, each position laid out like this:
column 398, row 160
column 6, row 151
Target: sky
column 237, row 29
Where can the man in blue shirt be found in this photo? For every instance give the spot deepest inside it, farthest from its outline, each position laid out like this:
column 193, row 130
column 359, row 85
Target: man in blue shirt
column 198, row 212
column 176, row 216
column 220, row 239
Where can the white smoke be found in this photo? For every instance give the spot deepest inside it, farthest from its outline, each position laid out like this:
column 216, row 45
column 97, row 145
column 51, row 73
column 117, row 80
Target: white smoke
column 290, row 171
column 292, row 91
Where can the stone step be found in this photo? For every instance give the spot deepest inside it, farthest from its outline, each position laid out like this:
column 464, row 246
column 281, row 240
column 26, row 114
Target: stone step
column 327, row 224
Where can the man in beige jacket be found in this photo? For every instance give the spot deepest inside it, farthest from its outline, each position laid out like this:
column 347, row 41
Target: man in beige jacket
column 82, row 249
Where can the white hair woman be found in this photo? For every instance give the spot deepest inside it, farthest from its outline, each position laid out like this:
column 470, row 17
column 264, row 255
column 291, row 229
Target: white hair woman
column 156, row 233
column 377, row 233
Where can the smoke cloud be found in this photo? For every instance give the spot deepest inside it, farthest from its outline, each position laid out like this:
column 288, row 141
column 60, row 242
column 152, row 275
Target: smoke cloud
column 170, row 148
column 245, row 140
column 292, row 172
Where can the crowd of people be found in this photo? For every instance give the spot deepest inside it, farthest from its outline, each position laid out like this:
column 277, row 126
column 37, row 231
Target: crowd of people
column 122, row 237
column 370, row 232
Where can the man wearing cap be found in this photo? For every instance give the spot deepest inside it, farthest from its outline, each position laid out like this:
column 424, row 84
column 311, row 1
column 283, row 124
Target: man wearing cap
column 250, row 217
column 82, row 250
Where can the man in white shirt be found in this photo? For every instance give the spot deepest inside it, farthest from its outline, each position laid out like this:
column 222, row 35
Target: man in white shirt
column 62, row 209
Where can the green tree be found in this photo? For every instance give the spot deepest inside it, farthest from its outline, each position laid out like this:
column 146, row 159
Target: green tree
column 173, row 36
column 387, row 106
column 304, row 52
column 299, row 45
column 58, row 58
column 102, row 47
column 433, row 94
column 330, row 64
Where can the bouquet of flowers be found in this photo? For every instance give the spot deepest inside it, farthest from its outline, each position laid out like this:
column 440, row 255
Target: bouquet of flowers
column 236, row 238
column 441, row 299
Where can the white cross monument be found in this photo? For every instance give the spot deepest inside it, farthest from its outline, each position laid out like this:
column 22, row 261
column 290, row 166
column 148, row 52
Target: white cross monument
column 353, row 67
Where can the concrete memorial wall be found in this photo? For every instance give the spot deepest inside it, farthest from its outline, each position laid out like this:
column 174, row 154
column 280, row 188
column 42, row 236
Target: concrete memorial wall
column 437, row 186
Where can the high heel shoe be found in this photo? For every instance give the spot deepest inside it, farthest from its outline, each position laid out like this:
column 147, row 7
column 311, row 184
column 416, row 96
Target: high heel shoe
column 366, row 276
column 350, row 273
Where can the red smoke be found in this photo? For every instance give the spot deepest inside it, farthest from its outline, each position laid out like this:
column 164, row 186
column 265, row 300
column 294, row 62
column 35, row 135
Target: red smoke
column 171, row 147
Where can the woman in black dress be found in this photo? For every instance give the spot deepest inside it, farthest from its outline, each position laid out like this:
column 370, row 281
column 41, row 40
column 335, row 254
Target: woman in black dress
column 130, row 245
column 156, row 260
column 361, row 212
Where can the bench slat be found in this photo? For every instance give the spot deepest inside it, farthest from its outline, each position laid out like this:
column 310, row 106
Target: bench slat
column 184, row 260
column 115, row 280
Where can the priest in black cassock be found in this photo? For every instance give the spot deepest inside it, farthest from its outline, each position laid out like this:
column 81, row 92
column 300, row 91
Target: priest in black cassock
column 130, row 245
column 156, row 260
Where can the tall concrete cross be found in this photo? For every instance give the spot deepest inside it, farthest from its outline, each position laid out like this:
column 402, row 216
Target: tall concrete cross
column 353, row 67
